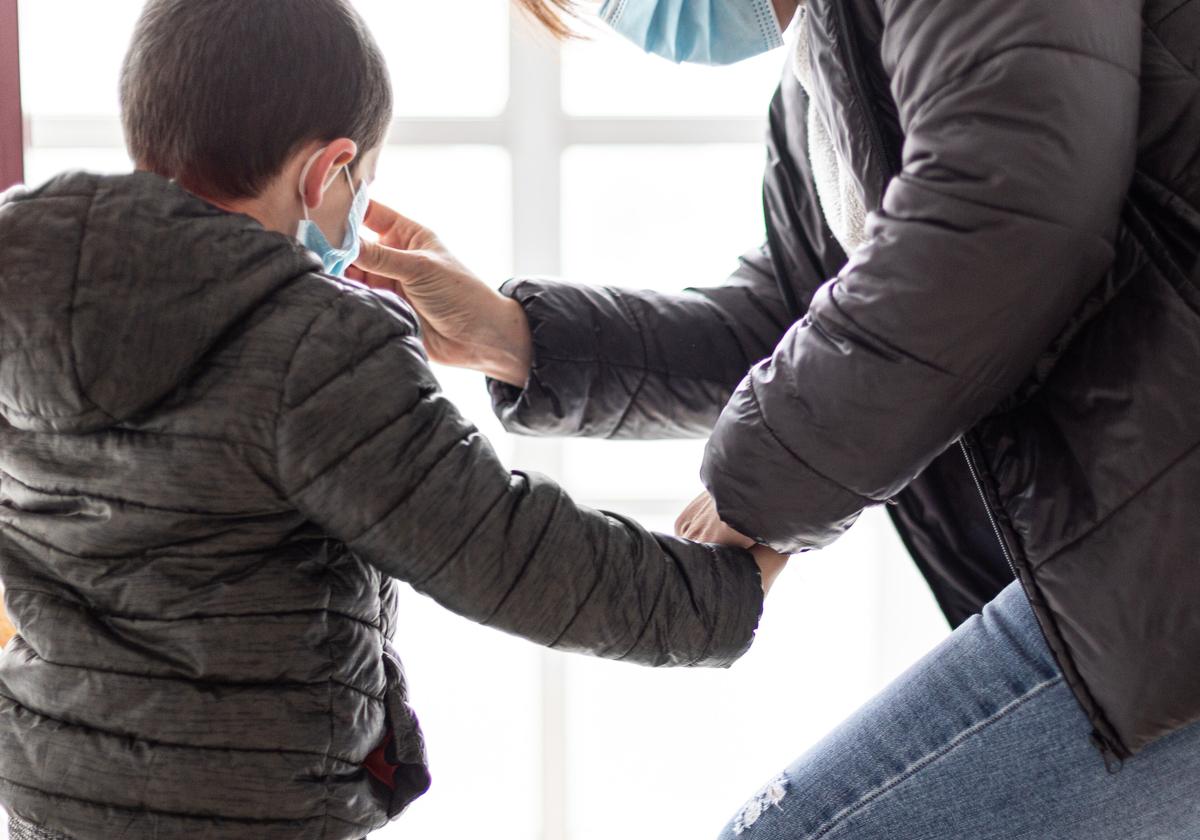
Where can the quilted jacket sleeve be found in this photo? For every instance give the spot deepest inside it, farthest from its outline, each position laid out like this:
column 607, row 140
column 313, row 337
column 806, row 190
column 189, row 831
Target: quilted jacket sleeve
column 617, row 363
column 1020, row 121
column 371, row 451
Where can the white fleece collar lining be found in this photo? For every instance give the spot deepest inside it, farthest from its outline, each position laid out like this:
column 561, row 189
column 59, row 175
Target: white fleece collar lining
column 841, row 202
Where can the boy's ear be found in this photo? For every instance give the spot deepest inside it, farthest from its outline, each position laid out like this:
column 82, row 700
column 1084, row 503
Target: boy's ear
column 323, row 167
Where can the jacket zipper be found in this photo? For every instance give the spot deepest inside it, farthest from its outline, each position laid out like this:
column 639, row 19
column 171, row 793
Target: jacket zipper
column 1107, row 750
column 962, row 442
column 850, row 59
column 849, row 56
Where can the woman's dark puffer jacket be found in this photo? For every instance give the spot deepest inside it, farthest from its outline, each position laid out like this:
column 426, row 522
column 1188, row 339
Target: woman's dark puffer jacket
column 1013, row 359
column 214, row 463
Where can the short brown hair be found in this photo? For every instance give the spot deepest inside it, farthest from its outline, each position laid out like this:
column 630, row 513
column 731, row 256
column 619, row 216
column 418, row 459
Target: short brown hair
column 218, row 94
column 555, row 15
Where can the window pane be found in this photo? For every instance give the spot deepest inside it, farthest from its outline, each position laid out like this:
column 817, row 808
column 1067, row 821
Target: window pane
column 457, row 53
column 477, row 693
column 446, row 58
column 463, row 193
column 702, row 211
column 609, row 76
column 74, row 69
column 662, row 217
column 43, row 164
column 655, row 754
column 657, row 470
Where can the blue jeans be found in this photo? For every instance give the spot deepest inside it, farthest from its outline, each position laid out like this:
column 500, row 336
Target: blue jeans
column 980, row 740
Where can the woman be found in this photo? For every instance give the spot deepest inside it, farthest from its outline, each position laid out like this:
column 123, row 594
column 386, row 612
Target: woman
column 1008, row 355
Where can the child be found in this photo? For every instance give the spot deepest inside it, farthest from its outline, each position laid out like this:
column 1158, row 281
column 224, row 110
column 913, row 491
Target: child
column 216, row 462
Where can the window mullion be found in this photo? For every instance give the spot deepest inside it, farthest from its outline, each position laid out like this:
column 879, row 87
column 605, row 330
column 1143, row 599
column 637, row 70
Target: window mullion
column 536, row 139
column 536, row 130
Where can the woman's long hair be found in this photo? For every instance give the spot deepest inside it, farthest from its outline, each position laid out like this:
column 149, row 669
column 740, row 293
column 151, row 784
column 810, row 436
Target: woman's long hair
column 555, row 15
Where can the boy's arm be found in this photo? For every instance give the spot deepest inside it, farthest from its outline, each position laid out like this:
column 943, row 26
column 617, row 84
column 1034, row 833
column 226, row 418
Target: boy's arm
column 369, row 449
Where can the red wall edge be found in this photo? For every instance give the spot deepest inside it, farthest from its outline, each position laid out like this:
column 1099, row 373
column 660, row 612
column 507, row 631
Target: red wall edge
column 12, row 133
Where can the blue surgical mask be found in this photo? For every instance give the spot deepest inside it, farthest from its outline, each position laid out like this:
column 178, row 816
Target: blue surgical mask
column 335, row 260
column 696, row 31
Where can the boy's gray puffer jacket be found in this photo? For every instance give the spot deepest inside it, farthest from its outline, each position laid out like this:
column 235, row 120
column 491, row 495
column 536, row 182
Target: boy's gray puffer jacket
column 214, row 464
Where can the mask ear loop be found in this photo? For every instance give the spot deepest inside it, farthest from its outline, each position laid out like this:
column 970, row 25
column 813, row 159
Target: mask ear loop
column 304, row 179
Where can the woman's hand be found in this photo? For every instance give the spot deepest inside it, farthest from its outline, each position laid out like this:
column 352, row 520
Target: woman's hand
column 699, row 522
column 7, row 631
column 770, row 564
column 464, row 322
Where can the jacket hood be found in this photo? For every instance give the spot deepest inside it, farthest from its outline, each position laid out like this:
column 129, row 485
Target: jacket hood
column 115, row 288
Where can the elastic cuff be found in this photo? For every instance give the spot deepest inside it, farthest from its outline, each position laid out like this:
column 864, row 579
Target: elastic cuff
column 739, row 614
column 540, row 408
column 763, row 490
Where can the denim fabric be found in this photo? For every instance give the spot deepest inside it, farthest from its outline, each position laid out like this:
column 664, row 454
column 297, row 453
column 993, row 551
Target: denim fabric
column 981, row 739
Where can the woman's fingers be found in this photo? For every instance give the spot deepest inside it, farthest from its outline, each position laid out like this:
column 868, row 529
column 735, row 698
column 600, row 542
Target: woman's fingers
column 396, row 229
column 377, row 281
column 381, row 259
column 683, row 525
column 699, row 522
column 7, row 631
column 381, row 218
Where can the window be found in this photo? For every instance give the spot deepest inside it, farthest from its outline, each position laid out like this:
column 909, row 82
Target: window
column 603, row 165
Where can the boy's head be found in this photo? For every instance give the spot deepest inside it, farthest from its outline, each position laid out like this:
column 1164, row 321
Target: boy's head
column 222, row 95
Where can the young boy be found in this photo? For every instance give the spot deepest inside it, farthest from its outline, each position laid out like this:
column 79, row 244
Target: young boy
column 216, row 461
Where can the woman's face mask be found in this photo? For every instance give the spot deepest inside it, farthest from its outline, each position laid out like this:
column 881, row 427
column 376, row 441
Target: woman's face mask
column 335, row 260
column 696, row 31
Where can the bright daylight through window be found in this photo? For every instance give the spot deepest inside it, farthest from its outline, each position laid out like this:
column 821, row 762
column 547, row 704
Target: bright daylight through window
column 528, row 157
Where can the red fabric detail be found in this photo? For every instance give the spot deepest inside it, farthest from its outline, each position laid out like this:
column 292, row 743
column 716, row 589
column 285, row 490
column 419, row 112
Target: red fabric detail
column 378, row 765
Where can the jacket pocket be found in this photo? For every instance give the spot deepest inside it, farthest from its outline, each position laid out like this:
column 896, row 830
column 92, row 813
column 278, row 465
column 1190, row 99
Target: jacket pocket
column 407, row 749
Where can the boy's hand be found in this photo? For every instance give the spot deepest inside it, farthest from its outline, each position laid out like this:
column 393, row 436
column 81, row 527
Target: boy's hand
column 464, row 322
column 699, row 522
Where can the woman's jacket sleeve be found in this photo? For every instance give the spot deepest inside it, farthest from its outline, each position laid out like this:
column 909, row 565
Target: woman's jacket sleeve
column 370, row 450
column 619, row 363
column 1020, row 122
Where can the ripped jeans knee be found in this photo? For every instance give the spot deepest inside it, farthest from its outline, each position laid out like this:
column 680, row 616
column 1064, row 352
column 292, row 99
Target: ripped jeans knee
column 770, row 796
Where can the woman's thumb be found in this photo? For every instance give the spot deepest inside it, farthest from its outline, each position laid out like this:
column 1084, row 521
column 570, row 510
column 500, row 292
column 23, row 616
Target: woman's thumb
column 376, row 258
